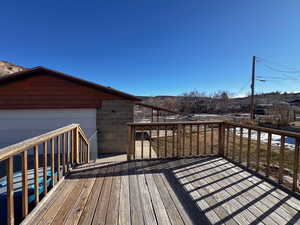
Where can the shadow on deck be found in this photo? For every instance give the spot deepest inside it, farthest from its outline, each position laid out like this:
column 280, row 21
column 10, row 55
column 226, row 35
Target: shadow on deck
column 202, row 190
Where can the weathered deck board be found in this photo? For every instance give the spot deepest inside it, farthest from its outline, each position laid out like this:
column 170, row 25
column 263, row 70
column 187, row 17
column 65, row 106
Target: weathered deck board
column 187, row 191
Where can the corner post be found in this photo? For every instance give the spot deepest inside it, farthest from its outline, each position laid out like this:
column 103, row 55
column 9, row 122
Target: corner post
column 129, row 147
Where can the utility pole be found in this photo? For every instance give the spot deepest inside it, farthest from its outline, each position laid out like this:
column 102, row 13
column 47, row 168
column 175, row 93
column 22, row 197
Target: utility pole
column 252, row 106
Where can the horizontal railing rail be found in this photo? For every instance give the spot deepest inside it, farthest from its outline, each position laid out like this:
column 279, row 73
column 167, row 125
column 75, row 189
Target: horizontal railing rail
column 271, row 152
column 60, row 151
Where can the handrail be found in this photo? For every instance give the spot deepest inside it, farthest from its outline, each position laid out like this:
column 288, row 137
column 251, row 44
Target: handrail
column 175, row 123
column 83, row 135
column 266, row 129
column 31, row 142
column 65, row 147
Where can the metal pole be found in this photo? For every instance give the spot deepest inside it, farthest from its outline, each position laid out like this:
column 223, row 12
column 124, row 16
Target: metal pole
column 252, row 107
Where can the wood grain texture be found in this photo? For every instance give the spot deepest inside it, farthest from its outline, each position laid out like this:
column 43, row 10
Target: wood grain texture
column 189, row 191
column 45, row 92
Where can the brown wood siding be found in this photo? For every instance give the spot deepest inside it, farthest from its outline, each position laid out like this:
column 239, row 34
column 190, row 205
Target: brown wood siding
column 46, row 92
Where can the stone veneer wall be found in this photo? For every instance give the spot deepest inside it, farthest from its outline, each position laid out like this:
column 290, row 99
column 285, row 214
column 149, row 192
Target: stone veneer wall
column 112, row 118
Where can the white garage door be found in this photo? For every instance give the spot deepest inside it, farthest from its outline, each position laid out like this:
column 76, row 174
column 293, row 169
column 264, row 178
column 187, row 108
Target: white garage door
column 18, row 125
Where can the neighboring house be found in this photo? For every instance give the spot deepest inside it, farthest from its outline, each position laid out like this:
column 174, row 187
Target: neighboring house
column 38, row 100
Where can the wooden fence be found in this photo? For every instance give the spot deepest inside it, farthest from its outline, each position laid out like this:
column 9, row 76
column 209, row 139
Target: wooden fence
column 62, row 149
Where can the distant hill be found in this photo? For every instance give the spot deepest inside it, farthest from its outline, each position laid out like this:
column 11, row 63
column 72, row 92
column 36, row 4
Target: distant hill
column 204, row 104
column 9, row 68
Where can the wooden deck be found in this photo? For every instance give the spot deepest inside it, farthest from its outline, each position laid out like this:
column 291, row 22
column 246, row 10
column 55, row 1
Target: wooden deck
column 207, row 190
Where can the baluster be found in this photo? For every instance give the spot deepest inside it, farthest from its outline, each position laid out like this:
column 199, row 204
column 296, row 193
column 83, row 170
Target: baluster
column 129, row 138
column 204, row 139
column 198, row 149
column 142, row 132
column 24, row 183
column 173, row 141
column 221, row 139
column 52, row 162
column 88, row 152
column 76, row 141
column 258, row 150
column 191, row 137
column 36, row 174
column 212, row 140
column 58, row 158
column 281, row 158
column 157, row 141
column 248, row 147
column 64, row 153
column 166, row 134
column 183, row 140
column 241, row 145
column 68, row 151
column 268, row 154
column 233, row 143
column 72, row 147
column 227, row 141
column 178, row 149
column 133, row 137
column 81, row 150
column 296, row 166
column 45, row 163
column 10, row 190
column 150, row 139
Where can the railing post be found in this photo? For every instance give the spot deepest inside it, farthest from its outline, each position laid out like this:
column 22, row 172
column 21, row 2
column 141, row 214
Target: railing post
column 221, row 139
column 129, row 144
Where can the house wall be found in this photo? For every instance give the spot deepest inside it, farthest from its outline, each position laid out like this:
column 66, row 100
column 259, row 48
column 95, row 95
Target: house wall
column 44, row 91
column 112, row 119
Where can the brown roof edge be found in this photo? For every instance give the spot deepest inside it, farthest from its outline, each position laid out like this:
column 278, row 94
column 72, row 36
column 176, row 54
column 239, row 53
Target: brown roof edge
column 29, row 72
column 156, row 107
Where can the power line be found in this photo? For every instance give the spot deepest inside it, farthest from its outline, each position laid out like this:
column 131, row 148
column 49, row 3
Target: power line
column 278, row 78
column 279, row 70
column 276, row 64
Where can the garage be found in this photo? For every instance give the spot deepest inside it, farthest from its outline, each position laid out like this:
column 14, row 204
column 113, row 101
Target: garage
column 39, row 100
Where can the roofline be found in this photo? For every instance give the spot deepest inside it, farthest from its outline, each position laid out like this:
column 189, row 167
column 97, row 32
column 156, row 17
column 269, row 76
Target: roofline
column 156, row 108
column 20, row 75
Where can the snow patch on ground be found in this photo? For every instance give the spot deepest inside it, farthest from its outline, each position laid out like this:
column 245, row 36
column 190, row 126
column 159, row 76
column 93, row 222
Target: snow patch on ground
column 289, row 142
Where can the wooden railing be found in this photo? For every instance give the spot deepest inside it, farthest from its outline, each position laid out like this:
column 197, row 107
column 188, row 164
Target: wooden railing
column 65, row 147
column 174, row 139
column 264, row 150
column 271, row 152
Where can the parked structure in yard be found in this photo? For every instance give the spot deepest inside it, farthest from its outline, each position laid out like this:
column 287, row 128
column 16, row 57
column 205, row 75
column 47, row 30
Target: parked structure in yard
column 35, row 101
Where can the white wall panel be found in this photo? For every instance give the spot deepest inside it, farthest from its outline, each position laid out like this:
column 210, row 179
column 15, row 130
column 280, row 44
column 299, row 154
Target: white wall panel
column 18, row 125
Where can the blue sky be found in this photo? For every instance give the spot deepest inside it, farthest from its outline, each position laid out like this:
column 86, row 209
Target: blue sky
column 156, row 47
